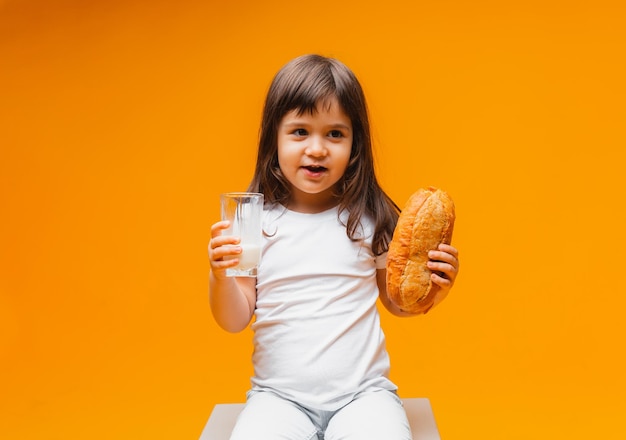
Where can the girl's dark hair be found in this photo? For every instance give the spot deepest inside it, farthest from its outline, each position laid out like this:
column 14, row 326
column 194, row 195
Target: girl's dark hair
column 301, row 85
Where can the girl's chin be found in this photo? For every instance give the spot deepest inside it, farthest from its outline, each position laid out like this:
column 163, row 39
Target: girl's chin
column 313, row 195
column 314, row 189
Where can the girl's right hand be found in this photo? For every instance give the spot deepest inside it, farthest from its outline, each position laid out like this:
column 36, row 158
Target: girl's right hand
column 232, row 299
column 221, row 246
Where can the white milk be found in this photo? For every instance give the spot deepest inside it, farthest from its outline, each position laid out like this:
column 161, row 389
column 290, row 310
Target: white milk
column 244, row 211
column 248, row 258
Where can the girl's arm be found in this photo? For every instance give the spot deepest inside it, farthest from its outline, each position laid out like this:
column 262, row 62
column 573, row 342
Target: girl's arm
column 232, row 299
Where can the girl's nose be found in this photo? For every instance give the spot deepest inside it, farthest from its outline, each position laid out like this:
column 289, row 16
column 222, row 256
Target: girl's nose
column 316, row 147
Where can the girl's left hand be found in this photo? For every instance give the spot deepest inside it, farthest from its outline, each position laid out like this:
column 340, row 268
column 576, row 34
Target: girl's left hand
column 444, row 263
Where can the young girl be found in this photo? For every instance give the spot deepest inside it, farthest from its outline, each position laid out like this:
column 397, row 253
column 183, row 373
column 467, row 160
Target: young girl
column 320, row 362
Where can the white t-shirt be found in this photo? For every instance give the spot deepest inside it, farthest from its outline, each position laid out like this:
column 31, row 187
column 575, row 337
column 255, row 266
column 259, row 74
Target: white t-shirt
column 317, row 334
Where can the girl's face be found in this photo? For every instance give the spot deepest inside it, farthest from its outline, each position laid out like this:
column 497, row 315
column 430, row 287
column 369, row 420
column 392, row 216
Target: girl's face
column 313, row 154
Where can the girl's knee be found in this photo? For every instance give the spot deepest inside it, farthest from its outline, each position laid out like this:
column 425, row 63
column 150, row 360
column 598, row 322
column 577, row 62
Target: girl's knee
column 268, row 417
column 372, row 416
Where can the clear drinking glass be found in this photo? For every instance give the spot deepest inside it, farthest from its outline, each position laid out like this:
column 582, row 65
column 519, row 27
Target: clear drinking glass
column 244, row 211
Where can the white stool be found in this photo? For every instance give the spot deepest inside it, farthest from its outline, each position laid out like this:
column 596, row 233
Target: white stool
column 418, row 410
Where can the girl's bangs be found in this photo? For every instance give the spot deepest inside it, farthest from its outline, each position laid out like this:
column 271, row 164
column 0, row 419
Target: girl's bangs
column 310, row 94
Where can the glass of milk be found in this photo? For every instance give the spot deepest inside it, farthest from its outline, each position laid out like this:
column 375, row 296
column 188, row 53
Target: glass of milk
column 244, row 212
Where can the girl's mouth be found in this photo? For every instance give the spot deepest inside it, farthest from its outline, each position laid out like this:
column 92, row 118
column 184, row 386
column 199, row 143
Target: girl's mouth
column 314, row 170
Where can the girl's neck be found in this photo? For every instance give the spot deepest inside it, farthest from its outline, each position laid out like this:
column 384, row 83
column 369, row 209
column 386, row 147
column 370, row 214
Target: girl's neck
column 311, row 203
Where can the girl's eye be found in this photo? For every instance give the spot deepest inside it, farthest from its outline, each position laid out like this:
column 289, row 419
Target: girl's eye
column 300, row 132
column 335, row 134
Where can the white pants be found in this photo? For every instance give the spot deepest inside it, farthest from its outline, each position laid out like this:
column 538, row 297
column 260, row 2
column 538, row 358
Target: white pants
column 376, row 415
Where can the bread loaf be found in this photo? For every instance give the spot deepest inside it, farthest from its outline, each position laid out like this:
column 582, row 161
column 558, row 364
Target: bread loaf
column 426, row 221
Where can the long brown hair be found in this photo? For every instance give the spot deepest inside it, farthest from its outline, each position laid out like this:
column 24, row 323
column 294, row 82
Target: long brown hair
column 301, row 85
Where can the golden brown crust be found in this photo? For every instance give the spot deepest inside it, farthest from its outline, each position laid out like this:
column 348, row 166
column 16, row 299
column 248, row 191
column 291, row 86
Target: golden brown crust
column 426, row 221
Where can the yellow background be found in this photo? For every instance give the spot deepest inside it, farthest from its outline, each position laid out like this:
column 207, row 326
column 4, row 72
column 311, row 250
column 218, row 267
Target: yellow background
column 121, row 121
